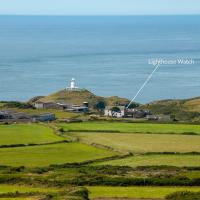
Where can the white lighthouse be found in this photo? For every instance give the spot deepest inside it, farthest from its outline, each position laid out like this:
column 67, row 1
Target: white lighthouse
column 72, row 85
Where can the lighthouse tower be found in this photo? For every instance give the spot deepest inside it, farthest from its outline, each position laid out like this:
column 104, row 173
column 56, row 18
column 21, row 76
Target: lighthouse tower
column 72, row 85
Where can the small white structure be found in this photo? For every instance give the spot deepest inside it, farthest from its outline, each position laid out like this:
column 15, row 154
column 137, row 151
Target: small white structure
column 110, row 112
column 72, row 85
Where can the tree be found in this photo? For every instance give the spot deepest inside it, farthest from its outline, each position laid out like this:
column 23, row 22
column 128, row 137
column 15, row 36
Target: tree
column 115, row 109
column 100, row 105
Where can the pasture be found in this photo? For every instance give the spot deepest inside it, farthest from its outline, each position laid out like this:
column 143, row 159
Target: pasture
column 93, row 141
column 131, row 127
column 26, row 134
column 156, row 160
column 142, row 143
column 5, row 188
column 37, row 156
column 135, row 192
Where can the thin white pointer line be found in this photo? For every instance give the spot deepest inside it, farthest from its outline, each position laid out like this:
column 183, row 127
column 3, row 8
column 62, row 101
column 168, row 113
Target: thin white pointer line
column 144, row 84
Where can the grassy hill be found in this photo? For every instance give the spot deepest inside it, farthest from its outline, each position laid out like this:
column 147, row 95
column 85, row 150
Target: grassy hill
column 78, row 97
column 184, row 110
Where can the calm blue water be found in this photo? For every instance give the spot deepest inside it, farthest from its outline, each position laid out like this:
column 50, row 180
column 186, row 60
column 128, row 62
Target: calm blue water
column 107, row 55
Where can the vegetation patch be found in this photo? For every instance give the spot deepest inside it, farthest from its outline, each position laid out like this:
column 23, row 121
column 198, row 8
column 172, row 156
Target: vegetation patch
column 51, row 154
column 132, row 127
column 156, row 160
column 42, row 193
column 184, row 195
column 5, row 188
column 136, row 192
column 142, row 143
column 27, row 134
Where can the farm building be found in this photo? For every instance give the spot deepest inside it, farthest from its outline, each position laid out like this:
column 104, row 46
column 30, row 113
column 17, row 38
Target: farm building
column 122, row 111
column 63, row 106
column 47, row 105
column 136, row 113
column 4, row 115
column 43, row 117
column 12, row 116
column 78, row 108
column 163, row 118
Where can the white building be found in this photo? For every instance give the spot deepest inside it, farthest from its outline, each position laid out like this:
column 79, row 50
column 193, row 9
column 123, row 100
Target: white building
column 111, row 112
column 72, row 86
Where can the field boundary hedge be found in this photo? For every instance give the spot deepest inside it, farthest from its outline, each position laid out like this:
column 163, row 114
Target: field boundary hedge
column 32, row 144
column 134, row 132
column 107, row 181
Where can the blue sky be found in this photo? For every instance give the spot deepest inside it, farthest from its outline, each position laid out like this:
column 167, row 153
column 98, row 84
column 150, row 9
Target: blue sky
column 99, row 7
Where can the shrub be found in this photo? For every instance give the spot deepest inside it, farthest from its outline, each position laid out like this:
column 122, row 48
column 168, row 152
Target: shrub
column 80, row 192
column 16, row 104
column 185, row 195
column 100, row 105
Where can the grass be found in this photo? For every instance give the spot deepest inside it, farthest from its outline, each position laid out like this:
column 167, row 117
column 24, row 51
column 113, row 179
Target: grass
column 4, row 188
column 155, row 160
column 192, row 174
column 136, row 192
column 45, row 155
column 142, row 143
column 26, row 133
column 2, row 105
column 132, row 127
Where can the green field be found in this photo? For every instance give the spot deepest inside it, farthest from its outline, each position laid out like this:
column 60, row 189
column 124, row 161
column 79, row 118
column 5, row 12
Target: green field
column 156, row 160
column 4, row 188
column 132, row 127
column 26, row 134
column 96, row 140
column 141, row 143
column 35, row 156
column 136, row 192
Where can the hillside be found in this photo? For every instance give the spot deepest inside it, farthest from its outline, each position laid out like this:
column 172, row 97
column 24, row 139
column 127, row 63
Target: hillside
column 78, row 97
column 186, row 109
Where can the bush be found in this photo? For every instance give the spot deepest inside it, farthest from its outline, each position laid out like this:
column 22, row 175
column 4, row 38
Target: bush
column 100, row 105
column 121, row 181
column 183, row 196
column 80, row 192
column 16, row 104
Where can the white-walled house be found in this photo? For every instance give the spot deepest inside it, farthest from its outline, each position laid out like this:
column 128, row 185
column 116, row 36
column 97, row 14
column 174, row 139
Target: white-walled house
column 109, row 111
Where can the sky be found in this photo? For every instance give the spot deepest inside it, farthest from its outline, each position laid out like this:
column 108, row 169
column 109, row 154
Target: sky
column 99, row 7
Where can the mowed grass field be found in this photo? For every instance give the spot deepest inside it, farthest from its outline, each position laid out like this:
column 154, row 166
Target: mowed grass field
column 26, row 134
column 136, row 192
column 131, row 127
column 37, row 156
column 156, row 160
column 142, row 143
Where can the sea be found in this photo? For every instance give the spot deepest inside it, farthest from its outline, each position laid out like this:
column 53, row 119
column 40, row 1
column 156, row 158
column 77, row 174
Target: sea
column 108, row 55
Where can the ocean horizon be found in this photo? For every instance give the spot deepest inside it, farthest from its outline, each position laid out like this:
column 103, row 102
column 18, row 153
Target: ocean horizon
column 108, row 55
